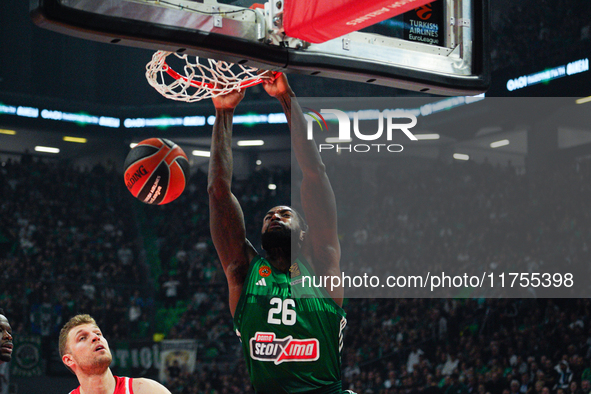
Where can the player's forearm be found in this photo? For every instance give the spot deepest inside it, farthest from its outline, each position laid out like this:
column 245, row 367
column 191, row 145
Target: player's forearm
column 305, row 150
column 220, row 165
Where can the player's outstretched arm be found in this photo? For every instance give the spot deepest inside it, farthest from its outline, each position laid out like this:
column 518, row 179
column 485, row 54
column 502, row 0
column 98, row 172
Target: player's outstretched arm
column 226, row 219
column 148, row 386
column 318, row 200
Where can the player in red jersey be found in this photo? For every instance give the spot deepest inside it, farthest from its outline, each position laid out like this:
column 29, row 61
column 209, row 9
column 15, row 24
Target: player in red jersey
column 86, row 353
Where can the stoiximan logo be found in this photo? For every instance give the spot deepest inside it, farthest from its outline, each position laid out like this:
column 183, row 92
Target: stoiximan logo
column 392, row 125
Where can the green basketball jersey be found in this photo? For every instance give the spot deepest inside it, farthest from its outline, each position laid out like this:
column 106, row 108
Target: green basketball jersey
column 291, row 332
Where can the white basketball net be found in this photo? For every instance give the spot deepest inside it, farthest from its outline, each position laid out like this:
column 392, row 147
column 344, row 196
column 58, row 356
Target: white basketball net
column 200, row 81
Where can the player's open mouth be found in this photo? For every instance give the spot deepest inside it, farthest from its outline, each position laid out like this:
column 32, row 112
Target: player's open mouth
column 100, row 347
column 7, row 347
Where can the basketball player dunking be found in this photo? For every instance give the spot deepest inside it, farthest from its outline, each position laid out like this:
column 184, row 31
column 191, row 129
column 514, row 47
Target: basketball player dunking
column 86, row 353
column 291, row 342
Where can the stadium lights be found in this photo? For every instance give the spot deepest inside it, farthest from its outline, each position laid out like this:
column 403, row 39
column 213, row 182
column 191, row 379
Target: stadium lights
column 201, row 153
column 8, row 132
column 336, row 140
column 427, row 136
column 500, row 143
column 258, row 162
column 461, row 156
column 46, row 149
column 272, row 186
column 164, row 121
column 572, row 68
column 75, row 139
column 251, row 143
column 583, row 100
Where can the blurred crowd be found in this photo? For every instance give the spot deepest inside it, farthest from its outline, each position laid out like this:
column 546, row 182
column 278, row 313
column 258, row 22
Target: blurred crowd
column 468, row 346
column 469, row 218
column 522, row 30
column 66, row 244
column 73, row 240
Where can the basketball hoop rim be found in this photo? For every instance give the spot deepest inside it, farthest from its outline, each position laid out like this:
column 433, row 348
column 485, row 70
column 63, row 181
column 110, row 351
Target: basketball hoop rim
column 243, row 85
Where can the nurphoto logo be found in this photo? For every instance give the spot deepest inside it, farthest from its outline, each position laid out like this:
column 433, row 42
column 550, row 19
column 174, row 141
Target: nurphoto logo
column 392, row 125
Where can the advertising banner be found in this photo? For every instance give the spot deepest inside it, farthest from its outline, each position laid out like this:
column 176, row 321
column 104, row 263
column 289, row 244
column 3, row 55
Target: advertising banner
column 26, row 356
column 425, row 24
column 137, row 358
column 177, row 357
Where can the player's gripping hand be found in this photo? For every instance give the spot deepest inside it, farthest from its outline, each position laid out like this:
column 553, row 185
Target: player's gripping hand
column 229, row 100
column 277, row 85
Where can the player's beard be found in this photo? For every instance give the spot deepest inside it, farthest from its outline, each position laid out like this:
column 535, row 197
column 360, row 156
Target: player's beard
column 5, row 358
column 101, row 363
column 277, row 239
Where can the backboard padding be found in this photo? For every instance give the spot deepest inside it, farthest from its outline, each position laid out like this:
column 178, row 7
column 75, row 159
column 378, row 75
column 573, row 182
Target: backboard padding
column 242, row 35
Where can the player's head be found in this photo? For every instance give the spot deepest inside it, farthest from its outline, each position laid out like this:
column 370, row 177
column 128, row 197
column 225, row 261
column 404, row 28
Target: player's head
column 82, row 346
column 5, row 339
column 282, row 225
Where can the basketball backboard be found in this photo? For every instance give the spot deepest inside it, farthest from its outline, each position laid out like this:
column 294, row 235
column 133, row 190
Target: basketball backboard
column 438, row 48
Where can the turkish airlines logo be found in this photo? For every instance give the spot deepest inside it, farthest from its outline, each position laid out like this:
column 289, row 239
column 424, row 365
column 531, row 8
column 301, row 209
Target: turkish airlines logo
column 425, row 12
column 265, row 347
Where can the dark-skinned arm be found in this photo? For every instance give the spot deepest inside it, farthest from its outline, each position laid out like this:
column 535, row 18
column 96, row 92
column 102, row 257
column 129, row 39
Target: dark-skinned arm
column 318, row 200
column 226, row 219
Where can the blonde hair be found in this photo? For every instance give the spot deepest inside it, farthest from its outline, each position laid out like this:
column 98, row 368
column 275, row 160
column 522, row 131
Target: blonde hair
column 76, row 321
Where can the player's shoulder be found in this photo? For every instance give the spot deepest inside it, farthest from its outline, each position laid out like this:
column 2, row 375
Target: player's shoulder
column 148, row 386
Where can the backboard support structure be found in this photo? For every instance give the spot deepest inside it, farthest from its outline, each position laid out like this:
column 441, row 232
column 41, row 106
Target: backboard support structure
column 457, row 63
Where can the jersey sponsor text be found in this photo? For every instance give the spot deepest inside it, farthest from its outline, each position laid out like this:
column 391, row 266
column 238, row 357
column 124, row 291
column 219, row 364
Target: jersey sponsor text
column 265, row 347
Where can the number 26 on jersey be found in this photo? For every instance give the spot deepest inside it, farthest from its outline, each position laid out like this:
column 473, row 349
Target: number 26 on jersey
column 282, row 312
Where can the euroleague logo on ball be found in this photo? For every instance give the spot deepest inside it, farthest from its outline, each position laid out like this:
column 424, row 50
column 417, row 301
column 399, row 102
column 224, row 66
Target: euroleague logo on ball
column 156, row 171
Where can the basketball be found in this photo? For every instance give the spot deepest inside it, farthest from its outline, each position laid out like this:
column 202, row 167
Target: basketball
column 156, row 171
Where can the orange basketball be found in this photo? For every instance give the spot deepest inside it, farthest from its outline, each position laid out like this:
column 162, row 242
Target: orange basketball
column 156, row 171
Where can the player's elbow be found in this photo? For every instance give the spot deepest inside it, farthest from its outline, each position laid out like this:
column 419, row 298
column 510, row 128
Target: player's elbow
column 218, row 189
column 315, row 170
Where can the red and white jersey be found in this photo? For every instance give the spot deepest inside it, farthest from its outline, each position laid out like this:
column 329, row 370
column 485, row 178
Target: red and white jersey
column 122, row 386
